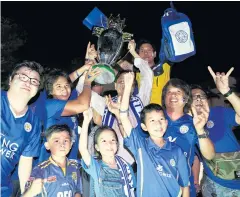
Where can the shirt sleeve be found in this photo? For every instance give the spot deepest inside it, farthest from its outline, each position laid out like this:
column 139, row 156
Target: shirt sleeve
column 97, row 102
column 79, row 182
column 145, row 87
column 182, row 167
column 33, row 147
column 55, row 108
column 92, row 169
column 133, row 141
column 229, row 116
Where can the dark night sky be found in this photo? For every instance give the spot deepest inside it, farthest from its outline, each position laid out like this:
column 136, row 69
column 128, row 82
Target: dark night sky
column 56, row 34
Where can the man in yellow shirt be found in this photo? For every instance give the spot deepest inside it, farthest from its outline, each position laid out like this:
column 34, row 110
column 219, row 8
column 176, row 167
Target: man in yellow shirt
column 147, row 51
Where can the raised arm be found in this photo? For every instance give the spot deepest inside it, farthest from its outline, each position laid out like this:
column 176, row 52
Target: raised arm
column 82, row 102
column 128, row 82
column 90, row 56
column 199, row 121
column 145, row 89
column 97, row 102
column 83, row 140
column 222, row 83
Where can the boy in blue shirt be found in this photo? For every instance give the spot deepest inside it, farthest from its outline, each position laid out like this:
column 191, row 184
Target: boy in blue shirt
column 56, row 176
column 159, row 161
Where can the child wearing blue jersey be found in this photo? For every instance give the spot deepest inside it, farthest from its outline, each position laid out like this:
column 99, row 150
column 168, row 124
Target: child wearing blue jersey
column 57, row 176
column 112, row 175
column 162, row 166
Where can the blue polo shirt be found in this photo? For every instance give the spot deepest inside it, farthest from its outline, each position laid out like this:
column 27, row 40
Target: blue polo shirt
column 19, row 136
column 160, row 171
column 56, row 182
column 183, row 133
column 220, row 123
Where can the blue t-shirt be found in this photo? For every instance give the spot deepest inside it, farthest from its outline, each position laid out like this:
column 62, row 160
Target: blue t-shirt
column 53, row 109
column 107, row 181
column 19, row 136
column 160, row 171
column 220, row 123
column 56, row 183
column 183, row 133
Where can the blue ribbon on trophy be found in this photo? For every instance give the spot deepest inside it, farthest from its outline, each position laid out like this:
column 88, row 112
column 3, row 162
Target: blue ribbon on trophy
column 110, row 42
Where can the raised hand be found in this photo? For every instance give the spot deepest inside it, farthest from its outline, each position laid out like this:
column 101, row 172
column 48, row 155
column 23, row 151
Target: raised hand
column 92, row 74
column 113, row 107
column 132, row 46
column 200, row 118
column 88, row 114
column 221, row 80
column 91, row 52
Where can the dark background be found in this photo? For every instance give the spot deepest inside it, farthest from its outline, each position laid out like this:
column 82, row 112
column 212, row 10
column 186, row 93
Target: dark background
column 56, row 35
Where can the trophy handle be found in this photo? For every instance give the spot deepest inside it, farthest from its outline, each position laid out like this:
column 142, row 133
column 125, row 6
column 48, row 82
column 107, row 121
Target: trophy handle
column 97, row 31
column 126, row 36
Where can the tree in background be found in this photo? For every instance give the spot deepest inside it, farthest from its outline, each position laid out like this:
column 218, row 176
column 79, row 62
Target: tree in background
column 12, row 38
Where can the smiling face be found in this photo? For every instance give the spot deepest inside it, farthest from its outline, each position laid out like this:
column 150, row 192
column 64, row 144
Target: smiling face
column 107, row 143
column 175, row 98
column 155, row 124
column 147, row 53
column 61, row 89
column 25, row 82
column 199, row 99
column 59, row 144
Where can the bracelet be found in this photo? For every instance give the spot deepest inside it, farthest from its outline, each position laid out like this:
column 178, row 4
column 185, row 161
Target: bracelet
column 228, row 93
column 88, row 86
column 123, row 111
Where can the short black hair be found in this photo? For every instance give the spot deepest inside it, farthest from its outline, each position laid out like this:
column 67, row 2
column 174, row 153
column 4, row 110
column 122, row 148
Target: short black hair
column 178, row 83
column 144, row 41
column 149, row 108
column 120, row 73
column 31, row 65
column 57, row 129
column 51, row 77
column 196, row 86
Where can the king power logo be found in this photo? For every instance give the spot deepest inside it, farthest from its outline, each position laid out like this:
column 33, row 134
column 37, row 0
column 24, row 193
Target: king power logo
column 8, row 148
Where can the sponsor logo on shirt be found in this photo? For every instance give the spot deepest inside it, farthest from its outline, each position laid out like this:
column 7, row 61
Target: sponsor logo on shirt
column 51, row 179
column 210, row 124
column 184, row 129
column 172, row 162
column 162, row 173
column 74, row 176
column 171, row 139
column 27, row 126
column 65, row 184
column 8, row 148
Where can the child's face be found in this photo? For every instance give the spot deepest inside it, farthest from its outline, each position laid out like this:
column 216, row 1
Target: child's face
column 61, row 89
column 107, row 143
column 59, row 143
column 155, row 123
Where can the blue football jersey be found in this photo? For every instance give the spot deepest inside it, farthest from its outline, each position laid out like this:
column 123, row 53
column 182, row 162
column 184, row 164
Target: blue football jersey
column 56, row 182
column 19, row 136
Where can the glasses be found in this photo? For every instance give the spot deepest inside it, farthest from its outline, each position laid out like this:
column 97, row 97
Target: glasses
column 199, row 96
column 25, row 78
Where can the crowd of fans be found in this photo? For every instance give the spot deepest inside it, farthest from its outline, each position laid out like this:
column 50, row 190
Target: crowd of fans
column 146, row 137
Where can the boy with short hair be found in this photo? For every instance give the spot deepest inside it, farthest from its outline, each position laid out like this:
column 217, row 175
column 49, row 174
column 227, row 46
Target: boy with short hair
column 159, row 161
column 57, row 176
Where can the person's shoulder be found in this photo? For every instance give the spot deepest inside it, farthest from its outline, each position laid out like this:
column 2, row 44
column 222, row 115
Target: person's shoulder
column 43, row 165
column 74, row 163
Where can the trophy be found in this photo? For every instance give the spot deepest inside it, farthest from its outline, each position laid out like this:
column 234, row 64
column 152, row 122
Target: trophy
column 109, row 47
